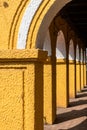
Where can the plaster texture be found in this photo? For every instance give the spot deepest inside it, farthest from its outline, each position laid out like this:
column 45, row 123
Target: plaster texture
column 49, row 95
column 61, row 79
column 78, row 77
column 72, row 89
column 21, row 89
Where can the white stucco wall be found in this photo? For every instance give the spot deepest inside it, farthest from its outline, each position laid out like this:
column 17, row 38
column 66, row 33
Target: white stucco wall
column 81, row 59
column 60, row 46
column 71, row 50
column 77, row 53
column 84, row 57
column 47, row 44
column 26, row 21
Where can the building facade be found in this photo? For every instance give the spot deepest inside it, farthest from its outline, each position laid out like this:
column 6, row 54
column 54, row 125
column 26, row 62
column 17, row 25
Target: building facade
column 42, row 63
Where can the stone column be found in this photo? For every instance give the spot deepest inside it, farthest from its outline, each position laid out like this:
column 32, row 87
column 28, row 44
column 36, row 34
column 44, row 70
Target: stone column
column 84, row 66
column 82, row 75
column 49, row 93
column 78, row 77
column 21, row 89
column 62, row 90
column 72, row 88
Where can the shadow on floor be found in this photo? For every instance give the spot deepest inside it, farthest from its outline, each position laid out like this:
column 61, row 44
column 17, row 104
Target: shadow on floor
column 77, row 111
column 84, row 90
column 74, row 114
column 77, row 103
column 81, row 95
column 82, row 126
column 70, row 115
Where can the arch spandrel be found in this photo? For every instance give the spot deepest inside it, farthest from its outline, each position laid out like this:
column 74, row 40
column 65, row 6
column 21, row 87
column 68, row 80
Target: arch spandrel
column 41, row 21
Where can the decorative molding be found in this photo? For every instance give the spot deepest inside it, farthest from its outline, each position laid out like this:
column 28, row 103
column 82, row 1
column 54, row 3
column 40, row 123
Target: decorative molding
column 25, row 23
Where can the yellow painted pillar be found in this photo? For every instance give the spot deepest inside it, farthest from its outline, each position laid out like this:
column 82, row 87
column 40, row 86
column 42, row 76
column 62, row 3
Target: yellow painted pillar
column 49, row 93
column 82, row 75
column 72, row 87
column 78, row 77
column 61, row 78
column 21, row 89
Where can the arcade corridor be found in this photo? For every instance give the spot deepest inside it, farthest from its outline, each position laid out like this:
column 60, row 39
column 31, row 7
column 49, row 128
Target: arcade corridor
column 74, row 117
column 43, row 64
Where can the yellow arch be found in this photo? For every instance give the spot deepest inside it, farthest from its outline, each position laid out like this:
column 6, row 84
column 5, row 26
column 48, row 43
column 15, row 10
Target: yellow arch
column 47, row 8
column 16, row 23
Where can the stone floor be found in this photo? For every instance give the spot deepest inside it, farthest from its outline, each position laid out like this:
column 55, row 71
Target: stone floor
column 74, row 117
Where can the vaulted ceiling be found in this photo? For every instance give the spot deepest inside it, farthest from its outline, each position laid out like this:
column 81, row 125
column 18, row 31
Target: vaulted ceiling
column 75, row 12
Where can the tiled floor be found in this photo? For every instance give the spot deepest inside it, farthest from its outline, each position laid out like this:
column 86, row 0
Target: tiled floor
column 74, row 117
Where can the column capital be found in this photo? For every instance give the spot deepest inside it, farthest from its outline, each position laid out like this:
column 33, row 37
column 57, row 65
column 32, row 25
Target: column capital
column 23, row 55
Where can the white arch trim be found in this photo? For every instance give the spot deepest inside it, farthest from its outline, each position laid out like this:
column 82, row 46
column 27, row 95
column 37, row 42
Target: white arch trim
column 26, row 21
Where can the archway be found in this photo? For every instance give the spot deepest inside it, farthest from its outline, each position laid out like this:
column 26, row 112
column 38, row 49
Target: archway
column 33, row 29
column 33, row 35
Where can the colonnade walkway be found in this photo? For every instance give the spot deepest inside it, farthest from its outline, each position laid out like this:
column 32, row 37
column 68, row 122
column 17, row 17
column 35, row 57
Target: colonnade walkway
column 74, row 117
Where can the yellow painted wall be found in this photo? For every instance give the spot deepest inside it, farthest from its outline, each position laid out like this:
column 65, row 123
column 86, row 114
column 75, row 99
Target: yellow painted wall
column 49, row 95
column 11, row 99
column 61, row 79
column 78, row 77
column 50, row 81
column 72, row 89
column 8, row 12
column 21, row 89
